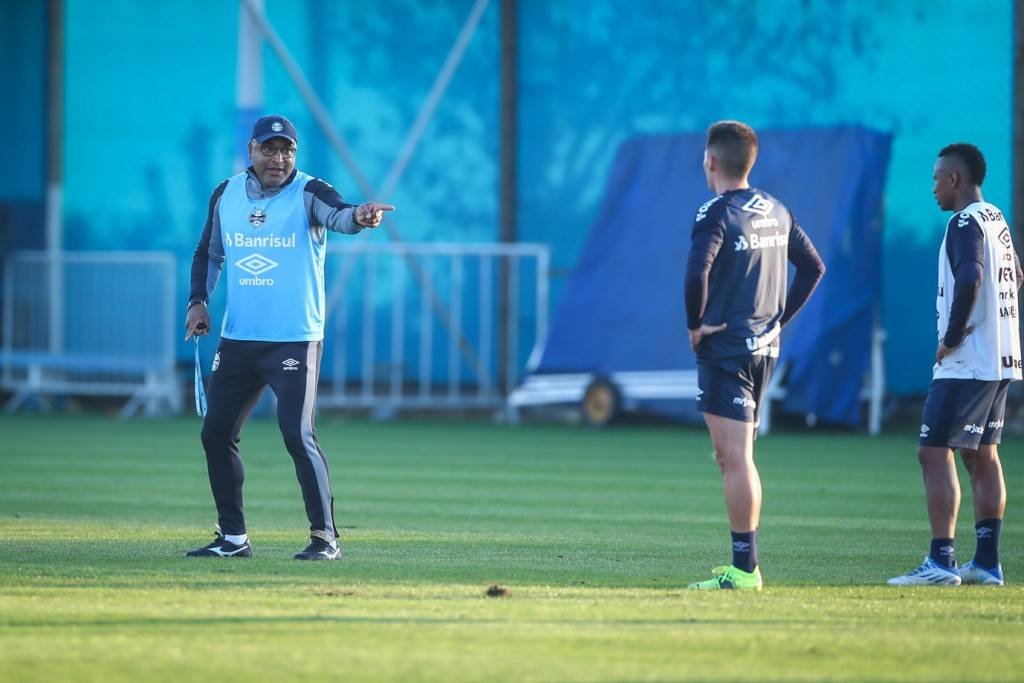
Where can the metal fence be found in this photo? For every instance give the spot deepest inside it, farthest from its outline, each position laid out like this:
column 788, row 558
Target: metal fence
column 90, row 323
column 630, row 389
column 428, row 324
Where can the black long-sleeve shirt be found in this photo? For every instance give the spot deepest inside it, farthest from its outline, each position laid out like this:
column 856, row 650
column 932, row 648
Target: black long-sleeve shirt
column 737, row 270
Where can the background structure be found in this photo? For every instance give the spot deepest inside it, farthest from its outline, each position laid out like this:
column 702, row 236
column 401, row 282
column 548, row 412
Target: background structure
column 149, row 115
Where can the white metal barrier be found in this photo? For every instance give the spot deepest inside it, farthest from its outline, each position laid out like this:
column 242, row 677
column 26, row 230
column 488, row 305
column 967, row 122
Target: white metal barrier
column 633, row 387
column 90, row 323
column 429, row 317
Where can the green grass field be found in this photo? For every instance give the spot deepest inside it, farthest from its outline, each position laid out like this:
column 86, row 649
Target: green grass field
column 594, row 533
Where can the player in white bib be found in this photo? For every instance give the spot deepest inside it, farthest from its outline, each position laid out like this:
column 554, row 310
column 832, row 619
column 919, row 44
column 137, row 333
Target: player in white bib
column 978, row 355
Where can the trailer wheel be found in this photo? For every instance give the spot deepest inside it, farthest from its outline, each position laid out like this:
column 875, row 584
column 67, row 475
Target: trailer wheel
column 602, row 403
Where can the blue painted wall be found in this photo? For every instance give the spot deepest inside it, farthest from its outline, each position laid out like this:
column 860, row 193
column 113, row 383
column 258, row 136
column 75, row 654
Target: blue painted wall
column 150, row 115
column 22, row 120
column 22, row 80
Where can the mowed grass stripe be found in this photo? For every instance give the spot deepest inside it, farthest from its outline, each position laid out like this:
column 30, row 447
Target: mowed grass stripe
column 595, row 534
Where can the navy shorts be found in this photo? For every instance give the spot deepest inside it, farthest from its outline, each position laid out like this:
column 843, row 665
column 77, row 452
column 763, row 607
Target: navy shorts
column 964, row 413
column 734, row 387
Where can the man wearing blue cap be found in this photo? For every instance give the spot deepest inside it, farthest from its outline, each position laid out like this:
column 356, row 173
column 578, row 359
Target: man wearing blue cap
column 266, row 230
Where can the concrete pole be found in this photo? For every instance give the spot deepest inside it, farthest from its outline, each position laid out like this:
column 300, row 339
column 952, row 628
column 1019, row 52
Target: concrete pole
column 248, row 81
column 509, row 188
column 55, row 170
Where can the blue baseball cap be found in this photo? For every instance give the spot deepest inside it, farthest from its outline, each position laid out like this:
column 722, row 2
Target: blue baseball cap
column 274, row 126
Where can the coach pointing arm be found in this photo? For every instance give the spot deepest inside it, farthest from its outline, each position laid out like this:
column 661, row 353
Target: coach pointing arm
column 325, row 208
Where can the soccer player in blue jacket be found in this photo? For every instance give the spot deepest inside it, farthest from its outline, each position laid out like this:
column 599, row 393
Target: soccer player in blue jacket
column 266, row 233
column 737, row 304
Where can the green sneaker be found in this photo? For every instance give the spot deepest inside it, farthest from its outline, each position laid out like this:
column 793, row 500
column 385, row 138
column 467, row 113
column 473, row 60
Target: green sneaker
column 731, row 578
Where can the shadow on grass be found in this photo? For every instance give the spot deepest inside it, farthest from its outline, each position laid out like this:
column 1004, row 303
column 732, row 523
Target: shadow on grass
column 410, row 621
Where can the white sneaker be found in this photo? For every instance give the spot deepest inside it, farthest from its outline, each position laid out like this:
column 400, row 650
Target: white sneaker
column 929, row 573
column 971, row 573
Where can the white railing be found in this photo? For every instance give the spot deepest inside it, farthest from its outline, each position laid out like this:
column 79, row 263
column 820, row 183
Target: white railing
column 430, row 323
column 90, row 323
column 569, row 389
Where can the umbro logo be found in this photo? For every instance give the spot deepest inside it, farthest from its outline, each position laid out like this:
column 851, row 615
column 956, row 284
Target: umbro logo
column 257, row 264
column 924, row 430
column 290, row 364
column 216, row 362
column 1004, row 238
column 740, row 546
column 759, row 205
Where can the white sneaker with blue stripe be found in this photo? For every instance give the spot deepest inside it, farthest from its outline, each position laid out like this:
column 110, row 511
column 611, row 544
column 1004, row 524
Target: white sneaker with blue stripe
column 972, row 574
column 930, row 573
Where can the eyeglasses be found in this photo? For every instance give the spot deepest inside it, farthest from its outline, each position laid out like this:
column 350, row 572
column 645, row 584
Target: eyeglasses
column 272, row 150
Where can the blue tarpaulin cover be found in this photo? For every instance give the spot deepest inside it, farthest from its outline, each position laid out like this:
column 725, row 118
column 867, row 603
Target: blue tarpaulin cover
column 622, row 307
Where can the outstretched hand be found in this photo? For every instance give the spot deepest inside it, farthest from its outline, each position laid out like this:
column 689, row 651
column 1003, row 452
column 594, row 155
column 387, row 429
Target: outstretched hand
column 697, row 335
column 370, row 214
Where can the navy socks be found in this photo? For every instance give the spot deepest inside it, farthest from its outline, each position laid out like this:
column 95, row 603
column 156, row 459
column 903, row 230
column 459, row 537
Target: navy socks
column 744, row 550
column 943, row 552
column 987, row 554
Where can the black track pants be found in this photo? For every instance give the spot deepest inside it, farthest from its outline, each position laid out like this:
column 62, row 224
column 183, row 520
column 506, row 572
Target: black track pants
column 241, row 370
